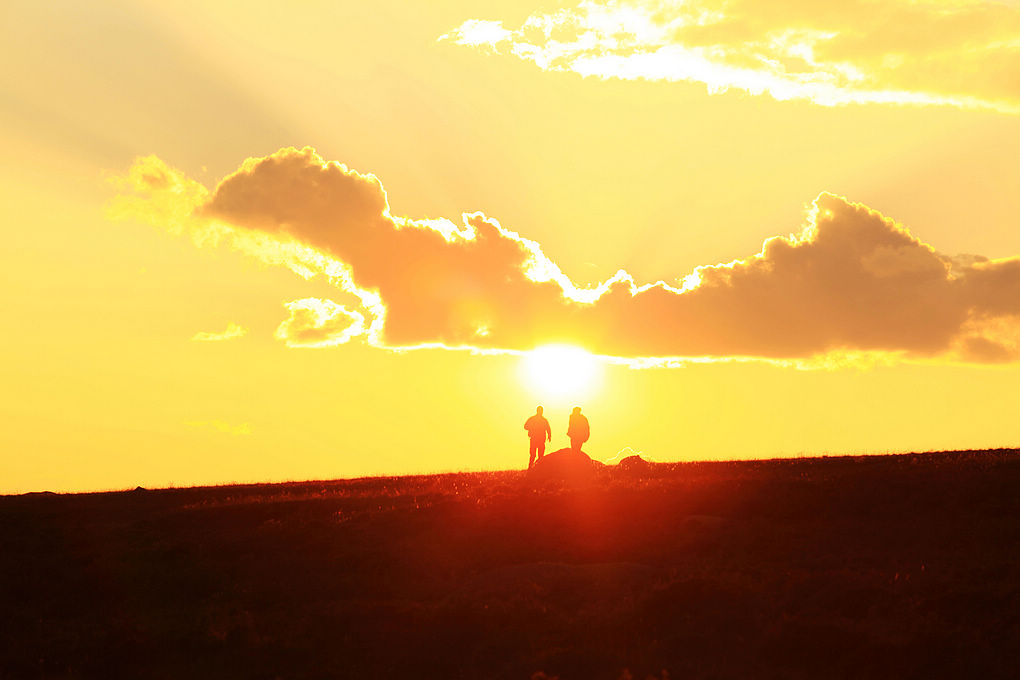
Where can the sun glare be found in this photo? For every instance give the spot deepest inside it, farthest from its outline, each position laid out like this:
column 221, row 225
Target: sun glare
column 560, row 372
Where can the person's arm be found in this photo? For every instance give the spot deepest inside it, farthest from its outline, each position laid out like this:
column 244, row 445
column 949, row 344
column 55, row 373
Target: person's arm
column 548, row 431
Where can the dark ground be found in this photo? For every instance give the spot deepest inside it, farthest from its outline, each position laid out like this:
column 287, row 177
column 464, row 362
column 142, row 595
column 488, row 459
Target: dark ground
column 901, row 566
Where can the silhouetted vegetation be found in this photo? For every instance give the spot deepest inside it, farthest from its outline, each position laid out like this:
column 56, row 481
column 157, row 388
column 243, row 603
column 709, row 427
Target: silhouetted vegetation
column 902, row 566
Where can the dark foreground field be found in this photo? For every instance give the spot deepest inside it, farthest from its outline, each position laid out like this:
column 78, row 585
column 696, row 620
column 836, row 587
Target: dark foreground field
column 871, row 567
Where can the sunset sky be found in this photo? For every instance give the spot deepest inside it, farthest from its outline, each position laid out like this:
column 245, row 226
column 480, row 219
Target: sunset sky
column 272, row 241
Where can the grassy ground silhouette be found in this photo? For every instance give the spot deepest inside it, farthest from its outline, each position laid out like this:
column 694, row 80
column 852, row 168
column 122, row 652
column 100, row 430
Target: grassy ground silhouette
column 904, row 566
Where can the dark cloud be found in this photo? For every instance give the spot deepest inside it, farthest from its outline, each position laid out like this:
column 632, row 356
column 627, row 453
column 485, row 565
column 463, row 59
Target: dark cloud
column 851, row 281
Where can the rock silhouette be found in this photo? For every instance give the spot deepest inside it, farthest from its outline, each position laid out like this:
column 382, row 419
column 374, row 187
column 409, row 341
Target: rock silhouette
column 565, row 465
column 635, row 465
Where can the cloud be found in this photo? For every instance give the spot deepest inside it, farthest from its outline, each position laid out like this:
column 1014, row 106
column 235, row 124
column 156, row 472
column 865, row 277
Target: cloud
column 852, row 282
column 961, row 53
column 233, row 332
column 319, row 323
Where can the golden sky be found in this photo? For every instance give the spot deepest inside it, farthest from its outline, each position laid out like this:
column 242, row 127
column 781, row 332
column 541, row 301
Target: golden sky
column 251, row 243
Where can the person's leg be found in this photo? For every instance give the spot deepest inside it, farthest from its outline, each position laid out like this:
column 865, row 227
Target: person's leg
column 531, row 453
column 541, row 448
column 575, row 443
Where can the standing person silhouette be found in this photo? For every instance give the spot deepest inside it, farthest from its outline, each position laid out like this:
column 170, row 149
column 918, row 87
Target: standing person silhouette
column 538, row 430
column 577, row 429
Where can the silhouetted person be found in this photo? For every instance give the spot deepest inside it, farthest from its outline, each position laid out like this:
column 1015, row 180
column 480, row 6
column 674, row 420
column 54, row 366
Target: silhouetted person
column 577, row 429
column 538, row 431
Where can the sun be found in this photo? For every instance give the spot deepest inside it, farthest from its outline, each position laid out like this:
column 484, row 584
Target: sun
column 556, row 372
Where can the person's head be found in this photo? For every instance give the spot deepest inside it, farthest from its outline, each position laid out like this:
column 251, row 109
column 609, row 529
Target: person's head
column 538, row 410
column 577, row 409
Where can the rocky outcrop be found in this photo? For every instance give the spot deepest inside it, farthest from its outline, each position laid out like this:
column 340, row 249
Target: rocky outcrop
column 634, row 464
column 565, row 465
